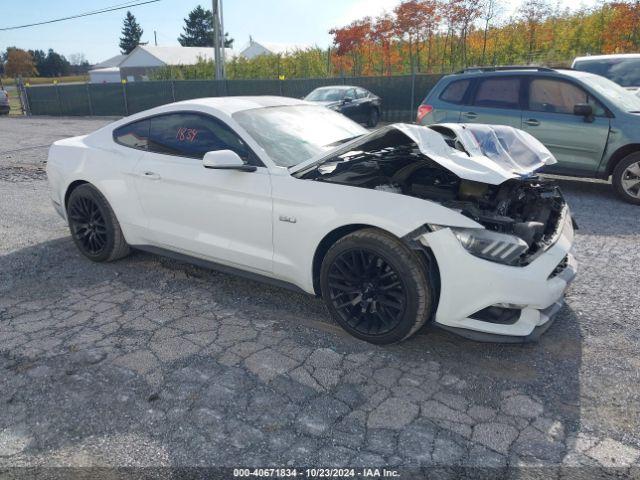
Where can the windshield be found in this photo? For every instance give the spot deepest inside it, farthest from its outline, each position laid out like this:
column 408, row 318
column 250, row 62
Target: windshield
column 622, row 98
column 327, row 94
column 623, row 71
column 293, row 134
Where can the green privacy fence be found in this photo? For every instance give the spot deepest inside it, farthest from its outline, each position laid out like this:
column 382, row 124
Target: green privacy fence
column 400, row 94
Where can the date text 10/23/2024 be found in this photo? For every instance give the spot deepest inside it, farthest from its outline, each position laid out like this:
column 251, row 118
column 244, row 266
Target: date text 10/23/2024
column 316, row 472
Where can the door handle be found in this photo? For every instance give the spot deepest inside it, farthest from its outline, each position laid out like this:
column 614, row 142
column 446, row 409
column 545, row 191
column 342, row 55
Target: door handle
column 532, row 122
column 470, row 114
column 151, row 175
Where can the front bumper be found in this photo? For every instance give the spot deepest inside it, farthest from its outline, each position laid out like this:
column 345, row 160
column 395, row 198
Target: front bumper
column 469, row 284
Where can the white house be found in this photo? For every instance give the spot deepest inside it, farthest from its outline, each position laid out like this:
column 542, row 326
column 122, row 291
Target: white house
column 254, row 49
column 145, row 58
column 107, row 71
column 105, row 75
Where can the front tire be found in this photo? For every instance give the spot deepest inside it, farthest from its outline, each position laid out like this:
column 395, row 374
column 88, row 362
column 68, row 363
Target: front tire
column 94, row 227
column 375, row 287
column 626, row 178
column 374, row 117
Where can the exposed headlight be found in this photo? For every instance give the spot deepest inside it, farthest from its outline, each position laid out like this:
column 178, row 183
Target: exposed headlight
column 494, row 246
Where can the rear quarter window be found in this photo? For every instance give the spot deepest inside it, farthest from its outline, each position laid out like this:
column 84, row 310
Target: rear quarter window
column 455, row 91
column 133, row 135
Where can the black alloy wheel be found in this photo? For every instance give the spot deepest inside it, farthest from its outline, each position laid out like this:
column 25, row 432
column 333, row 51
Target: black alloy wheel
column 94, row 227
column 376, row 287
column 367, row 292
column 88, row 225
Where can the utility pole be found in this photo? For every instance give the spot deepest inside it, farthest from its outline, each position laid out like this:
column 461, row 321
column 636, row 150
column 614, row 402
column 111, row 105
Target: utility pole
column 155, row 38
column 218, row 39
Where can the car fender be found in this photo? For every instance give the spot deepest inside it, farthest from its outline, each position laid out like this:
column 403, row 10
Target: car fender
column 110, row 170
column 306, row 211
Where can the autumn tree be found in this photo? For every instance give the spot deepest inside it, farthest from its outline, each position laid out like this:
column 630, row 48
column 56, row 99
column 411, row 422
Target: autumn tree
column 382, row 33
column 450, row 12
column 430, row 21
column 533, row 13
column 19, row 63
column 468, row 11
column 350, row 41
column 489, row 11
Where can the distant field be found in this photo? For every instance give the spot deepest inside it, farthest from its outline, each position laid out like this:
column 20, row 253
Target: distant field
column 44, row 81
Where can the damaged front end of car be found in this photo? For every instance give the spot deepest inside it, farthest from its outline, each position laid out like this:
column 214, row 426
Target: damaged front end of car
column 486, row 173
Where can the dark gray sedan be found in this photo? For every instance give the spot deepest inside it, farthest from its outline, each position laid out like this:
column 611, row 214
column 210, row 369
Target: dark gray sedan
column 358, row 104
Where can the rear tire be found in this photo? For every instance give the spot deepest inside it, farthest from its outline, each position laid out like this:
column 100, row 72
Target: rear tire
column 94, row 227
column 375, row 287
column 626, row 178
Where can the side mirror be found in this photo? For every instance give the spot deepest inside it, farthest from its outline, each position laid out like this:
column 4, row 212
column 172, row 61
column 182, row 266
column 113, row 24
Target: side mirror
column 584, row 110
column 226, row 160
column 347, row 100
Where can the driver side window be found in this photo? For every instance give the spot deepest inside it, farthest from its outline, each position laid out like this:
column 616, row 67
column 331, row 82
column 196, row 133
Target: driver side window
column 192, row 135
column 554, row 96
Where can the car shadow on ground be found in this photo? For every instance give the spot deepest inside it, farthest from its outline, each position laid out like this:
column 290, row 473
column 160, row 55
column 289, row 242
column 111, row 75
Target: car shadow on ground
column 101, row 356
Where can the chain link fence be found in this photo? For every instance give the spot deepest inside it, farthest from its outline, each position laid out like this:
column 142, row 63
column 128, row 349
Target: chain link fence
column 400, row 95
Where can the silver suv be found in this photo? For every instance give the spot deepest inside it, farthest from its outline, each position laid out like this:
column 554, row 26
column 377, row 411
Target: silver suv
column 590, row 124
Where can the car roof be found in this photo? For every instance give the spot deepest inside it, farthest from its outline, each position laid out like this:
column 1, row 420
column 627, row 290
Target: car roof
column 579, row 74
column 607, row 57
column 515, row 71
column 231, row 105
column 339, row 87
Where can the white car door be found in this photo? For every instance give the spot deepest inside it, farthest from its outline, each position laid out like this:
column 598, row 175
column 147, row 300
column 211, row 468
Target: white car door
column 219, row 215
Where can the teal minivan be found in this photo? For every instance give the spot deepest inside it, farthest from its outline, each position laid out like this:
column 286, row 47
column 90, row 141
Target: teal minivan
column 590, row 124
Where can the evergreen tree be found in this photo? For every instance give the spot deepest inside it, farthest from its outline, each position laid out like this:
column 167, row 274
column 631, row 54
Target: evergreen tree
column 131, row 33
column 198, row 30
column 228, row 42
column 56, row 65
column 50, row 64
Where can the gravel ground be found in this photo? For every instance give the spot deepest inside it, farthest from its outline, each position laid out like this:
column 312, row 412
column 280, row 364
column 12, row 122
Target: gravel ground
column 152, row 362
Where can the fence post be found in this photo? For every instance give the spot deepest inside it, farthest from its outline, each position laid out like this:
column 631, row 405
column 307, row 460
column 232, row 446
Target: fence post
column 58, row 97
column 22, row 96
column 27, row 101
column 413, row 91
column 173, row 89
column 89, row 100
column 124, row 97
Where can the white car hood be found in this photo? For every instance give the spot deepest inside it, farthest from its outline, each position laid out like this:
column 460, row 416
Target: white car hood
column 496, row 153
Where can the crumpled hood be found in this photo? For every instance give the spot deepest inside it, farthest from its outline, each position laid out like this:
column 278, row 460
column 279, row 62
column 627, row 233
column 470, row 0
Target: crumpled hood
column 493, row 153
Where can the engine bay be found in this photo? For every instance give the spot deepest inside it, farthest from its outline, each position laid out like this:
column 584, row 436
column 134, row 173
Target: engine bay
column 529, row 207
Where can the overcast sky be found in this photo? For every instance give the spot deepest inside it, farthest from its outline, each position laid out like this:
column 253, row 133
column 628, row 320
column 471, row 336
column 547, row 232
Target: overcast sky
column 276, row 21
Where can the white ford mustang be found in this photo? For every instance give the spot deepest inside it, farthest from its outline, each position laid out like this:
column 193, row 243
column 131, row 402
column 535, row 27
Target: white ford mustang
column 393, row 228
